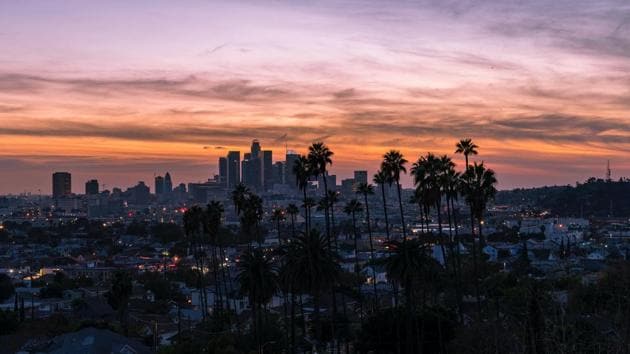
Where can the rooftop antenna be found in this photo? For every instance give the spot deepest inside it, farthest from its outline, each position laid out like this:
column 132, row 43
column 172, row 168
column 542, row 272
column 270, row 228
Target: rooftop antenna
column 608, row 172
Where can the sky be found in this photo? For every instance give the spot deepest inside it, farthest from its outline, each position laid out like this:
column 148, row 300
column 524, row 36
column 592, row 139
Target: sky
column 124, row 90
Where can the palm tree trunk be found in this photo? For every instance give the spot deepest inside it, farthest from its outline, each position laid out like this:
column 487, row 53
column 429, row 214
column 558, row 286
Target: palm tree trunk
column 475, row 266
column 324, row 176
column 402, row 215
column 306, row 217
column 356, row 266
column 438, row 206
column 385, row 211
column 369, row 227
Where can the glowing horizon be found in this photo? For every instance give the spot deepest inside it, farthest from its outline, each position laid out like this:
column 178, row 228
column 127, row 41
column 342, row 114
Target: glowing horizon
column 120, row 91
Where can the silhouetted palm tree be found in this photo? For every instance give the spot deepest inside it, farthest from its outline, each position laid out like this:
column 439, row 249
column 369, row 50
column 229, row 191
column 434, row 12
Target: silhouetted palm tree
column 366, row 189
column 212, row 222
column 466, row 147
column 478, row 188
column 302, row 171
column 352, row 208
column 406, row 267
column 238, row 197
column 393, row 165
column 118, row 296
column 292, row 210
column 380, row 178
column 319, row 157
column 258, row 281
column 313, row 268
column 193, row 230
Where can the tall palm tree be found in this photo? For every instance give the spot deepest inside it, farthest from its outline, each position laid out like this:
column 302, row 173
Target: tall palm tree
column 303, row 173
column 393, row 165
column 406, row 267
column 292, row 210
column 380, row 178
column 258, row 281
column 478, row 188
column 352, row 208
column 238, row 196
column 366, row 189
column 466, row 147
column 319, row 157
column 333, row 198
column 309, row 203
column 118, row 296
column 193, row 231
column 251, row 216
column 212, row 222
column 313, row 268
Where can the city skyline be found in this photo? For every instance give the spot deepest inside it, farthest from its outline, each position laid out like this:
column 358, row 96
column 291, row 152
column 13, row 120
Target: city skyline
column 91, row 89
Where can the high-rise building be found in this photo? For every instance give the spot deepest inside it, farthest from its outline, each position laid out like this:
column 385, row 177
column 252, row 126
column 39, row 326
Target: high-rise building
column 159, row 185
column 289, row 176
column 360, row 177
column 331, row 182
column 278, row 173
column 252, row 172
column 91, row 187
column 233, row 168
column 267, row 169
column 223, row 173
column 61, row 184
column 347, row 187
column 168, row 183
column 255, row 149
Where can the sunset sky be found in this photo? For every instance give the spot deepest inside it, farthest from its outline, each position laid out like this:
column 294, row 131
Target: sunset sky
column 121, row 90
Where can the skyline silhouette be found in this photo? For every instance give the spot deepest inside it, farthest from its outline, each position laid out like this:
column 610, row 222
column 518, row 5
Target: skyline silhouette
column 121, row 91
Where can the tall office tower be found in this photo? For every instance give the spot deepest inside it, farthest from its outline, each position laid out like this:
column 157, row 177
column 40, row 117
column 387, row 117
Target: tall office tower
column 360, row 177
column 331, row 182
column 159, row 185
column 223, row 173
column 91, row 187
column 61, row 184
column 255, row 149
column 278, row 173
column 347, row 187
column 289, row 176
column 168, row 183
column 267, row 169
column 233, row 169
column 252, row 172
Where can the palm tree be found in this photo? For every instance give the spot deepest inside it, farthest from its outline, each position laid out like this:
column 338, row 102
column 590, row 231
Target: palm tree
column 380, row 178
column 478, row 188
column 319, row 157
column 309, row 203
column 393, row 165
column 118, row 296
column 251, row 216
column 466, row 147
column 258, row 281
column 292, row 210
column 302, row 172
column 367, row 189
column 238, row 196
column 352, row 208
column 333, row 197
column 406, row 267
column 312, row 268
column 193, row 230
column 212, row 222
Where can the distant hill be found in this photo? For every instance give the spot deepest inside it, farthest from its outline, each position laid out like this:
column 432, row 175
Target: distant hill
column 593, row 198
